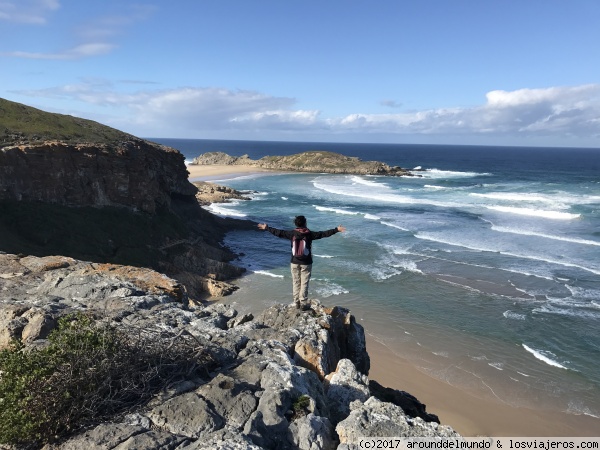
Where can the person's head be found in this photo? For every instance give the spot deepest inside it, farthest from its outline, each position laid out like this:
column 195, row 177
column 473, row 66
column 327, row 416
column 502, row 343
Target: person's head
column 300, row 221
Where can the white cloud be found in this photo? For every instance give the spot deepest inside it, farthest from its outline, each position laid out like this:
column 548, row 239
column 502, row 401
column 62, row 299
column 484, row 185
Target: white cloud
column 80, row 51
column 566, row 110
column 95, row 37
column 558, row 112
column 27, row 11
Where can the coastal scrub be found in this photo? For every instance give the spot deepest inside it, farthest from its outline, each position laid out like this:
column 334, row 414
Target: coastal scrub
column 87, row 372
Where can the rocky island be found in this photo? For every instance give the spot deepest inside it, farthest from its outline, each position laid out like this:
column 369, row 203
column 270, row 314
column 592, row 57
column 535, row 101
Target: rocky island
column 106, row 338
column 313, row 162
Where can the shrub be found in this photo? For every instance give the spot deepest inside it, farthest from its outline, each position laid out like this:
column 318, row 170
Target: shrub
column 300, row 406
column 86, row 373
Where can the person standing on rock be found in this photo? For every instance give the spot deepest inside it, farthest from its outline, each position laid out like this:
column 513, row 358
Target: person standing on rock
column 301, row 262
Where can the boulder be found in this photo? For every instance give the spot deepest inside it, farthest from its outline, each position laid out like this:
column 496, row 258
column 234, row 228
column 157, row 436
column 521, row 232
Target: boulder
column 344, row 386
column 375, row 418
column 188, row 415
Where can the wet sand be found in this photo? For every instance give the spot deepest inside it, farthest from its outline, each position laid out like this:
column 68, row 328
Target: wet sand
column 220, row 172
column 467, row 414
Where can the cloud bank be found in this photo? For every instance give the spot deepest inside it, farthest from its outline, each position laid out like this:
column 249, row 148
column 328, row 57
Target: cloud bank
column 561, row 112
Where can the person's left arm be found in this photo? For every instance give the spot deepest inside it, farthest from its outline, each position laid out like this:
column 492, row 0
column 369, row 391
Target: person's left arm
column 327, row 233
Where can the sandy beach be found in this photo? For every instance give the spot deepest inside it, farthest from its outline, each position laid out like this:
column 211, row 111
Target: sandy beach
column 216, row 172
column 468, row 414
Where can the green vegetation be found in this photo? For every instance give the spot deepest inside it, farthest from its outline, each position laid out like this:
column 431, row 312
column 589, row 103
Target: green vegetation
column 109, row 234
column 21, row 123
column 321, row 159
column 87, row 372
column 300, row 406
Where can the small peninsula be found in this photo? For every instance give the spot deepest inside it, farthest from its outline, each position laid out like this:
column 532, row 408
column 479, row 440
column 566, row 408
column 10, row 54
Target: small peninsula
column 312, row 162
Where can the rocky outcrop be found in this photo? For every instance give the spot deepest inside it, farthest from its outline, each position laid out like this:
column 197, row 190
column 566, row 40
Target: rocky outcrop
column 214, row 193
column 287, row 379
column 74, row 187
column 314, row 161
column 135, row 174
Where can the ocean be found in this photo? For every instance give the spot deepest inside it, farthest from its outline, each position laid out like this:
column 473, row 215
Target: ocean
column 484, row 271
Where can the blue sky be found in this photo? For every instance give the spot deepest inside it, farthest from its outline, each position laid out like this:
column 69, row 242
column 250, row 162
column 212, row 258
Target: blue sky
column 510, row 72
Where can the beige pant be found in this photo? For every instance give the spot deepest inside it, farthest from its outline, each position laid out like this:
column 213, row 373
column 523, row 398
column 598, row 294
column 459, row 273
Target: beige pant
column 300, row 278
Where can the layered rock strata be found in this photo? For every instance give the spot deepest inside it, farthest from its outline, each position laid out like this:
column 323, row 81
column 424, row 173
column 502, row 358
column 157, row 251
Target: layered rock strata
column 135, row 174
column 287, row 379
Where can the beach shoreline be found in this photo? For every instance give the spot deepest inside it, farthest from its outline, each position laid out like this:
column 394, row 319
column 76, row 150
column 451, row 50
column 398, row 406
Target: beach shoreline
column 468, row 414
column 222, row 172
column 465, row 411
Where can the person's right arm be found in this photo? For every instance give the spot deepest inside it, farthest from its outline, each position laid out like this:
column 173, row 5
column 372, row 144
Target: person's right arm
column 285, row 234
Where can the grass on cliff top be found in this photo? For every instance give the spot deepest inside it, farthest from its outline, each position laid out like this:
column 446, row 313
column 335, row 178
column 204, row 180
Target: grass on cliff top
column 21, row 123
column 88, row 373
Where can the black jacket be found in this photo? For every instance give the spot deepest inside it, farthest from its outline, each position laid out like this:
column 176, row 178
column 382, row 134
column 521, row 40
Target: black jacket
column 313, row 235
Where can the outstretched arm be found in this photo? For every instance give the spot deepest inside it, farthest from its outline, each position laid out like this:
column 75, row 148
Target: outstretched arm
column 327, row 233
column 275, row 231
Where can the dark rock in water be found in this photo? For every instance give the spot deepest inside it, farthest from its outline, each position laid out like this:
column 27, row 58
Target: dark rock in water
column 287, row 379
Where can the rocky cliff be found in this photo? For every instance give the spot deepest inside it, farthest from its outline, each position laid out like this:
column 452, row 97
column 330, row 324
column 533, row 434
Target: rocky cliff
column 74, row 187
column 287, row 379
column 135, row 174
column 315, row 161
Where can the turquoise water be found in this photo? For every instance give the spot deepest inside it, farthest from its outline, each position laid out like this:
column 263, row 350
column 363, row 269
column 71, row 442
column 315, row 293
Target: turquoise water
column 484, row 271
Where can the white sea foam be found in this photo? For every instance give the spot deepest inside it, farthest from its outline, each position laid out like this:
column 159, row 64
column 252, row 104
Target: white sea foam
column 336, row 210
column 557, row 215
column 497, row 365
column 577, row 408
column 373, row 195
column 436, row 173
column 388, row 224
column 566, row 310
column 409, row 266
column 331, row 289
column 346, row 212
column 427, row 237
column 543, row 356
column 361, row 180
column 513, row 315
column 544, row 235
column 269, row 274
column 323, row 256
column 433, row 186
column 221, row 211
column 284, row 198
column 516, row 197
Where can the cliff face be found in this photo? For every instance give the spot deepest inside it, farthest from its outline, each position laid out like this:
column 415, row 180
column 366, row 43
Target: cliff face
column 135, row 174
column 315, row 161
column 74, row 187
column 288, row 379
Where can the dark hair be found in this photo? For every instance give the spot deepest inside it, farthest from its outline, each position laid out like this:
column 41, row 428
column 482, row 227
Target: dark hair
column 300, row 221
